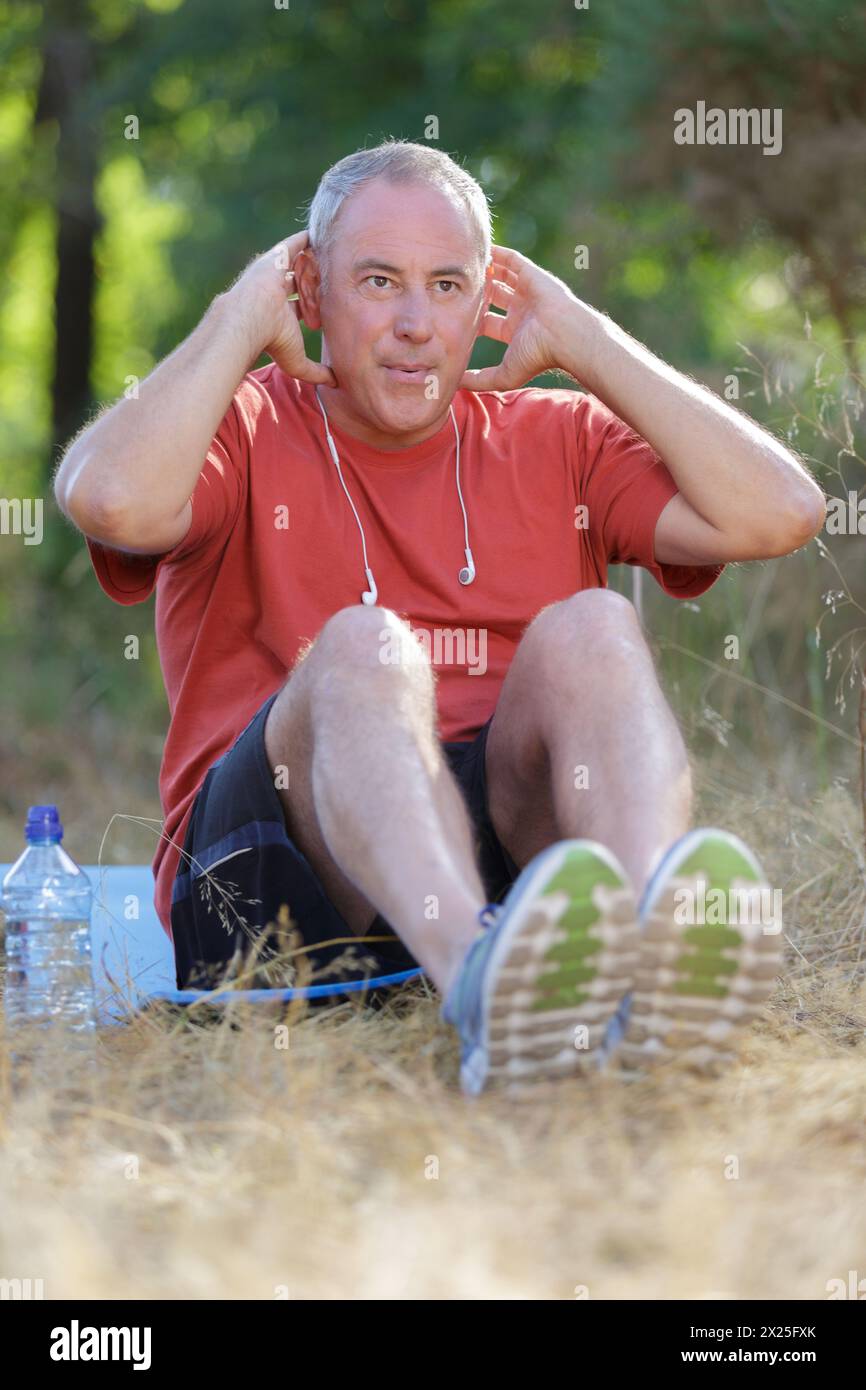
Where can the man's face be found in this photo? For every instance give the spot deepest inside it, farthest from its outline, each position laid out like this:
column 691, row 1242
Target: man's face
column 406, row 292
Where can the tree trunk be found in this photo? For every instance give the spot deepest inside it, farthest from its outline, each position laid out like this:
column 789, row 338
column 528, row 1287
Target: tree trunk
column 67, row 58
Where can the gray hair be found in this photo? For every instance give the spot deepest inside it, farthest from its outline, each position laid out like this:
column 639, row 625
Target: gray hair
column 399, row 161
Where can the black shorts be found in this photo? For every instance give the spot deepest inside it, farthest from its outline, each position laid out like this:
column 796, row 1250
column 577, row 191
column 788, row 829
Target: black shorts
column 239, row 868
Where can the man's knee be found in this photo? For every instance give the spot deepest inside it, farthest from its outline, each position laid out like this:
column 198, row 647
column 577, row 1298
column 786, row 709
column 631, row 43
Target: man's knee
column 592, row 628
column 357, row 649
column 595, row 611
column 372, row 638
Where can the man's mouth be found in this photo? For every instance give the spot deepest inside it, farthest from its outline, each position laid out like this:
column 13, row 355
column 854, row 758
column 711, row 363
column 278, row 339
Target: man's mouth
column 406, row 371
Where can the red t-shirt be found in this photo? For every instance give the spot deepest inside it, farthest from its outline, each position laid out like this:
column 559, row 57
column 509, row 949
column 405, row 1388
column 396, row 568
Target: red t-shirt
column 555, row 487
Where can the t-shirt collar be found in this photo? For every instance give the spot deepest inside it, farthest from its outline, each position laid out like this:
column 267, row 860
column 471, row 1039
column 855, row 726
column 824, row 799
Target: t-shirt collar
column 365, row 454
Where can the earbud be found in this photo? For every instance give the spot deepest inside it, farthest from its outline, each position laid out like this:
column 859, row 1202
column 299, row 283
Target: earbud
column 467, row 574
column 373, row 593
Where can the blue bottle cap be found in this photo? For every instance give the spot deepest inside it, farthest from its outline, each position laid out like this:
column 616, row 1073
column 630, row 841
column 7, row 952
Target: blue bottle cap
column 43, row 823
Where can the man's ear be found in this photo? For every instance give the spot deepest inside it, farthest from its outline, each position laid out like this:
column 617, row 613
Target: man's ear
column 489, row 277
column 308, row 283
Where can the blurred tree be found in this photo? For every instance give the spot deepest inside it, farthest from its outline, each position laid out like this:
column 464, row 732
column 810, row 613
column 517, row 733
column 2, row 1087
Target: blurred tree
column 805, row 57
column 236, row 114
column 148, row 148
column 566, row 115
column 62, row 105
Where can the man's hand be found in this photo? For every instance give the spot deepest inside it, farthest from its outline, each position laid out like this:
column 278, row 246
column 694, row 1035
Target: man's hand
column 127, row 480
column 260, row 298
column 536, row 305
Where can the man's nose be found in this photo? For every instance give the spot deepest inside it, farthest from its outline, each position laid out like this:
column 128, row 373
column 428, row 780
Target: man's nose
column 414, row 318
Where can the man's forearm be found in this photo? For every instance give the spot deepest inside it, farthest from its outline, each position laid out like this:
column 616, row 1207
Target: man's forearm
column 142, row 458
column 730, row 470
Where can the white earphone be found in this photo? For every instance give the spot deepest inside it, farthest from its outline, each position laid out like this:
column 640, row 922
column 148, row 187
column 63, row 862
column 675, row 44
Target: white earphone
column 371, row 595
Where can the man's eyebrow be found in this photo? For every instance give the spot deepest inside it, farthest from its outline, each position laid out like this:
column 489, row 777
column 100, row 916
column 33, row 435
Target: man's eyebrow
column 371, row 263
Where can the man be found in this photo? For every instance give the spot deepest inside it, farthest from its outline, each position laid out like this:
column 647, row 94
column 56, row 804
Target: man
column 324, row 753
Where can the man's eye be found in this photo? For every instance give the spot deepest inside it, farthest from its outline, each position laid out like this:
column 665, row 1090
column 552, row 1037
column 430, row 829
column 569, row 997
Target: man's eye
column 382, row 279
column 452, row 284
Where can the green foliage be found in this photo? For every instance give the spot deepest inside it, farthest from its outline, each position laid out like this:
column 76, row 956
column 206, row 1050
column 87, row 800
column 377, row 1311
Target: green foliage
column 714, row 257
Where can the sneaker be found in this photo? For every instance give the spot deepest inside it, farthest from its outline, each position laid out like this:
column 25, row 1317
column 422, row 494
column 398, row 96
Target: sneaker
column 538, row 988
column 703, row 972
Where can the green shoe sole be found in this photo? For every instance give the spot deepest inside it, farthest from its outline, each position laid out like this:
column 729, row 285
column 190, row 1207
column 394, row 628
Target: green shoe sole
column 711, row 948
column 566, row 956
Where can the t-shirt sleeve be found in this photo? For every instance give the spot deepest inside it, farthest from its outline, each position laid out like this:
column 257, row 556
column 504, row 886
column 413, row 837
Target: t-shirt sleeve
column 216, row 502
column 625, row 487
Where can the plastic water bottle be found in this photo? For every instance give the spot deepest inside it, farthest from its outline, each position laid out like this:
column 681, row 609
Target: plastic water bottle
column 48, row 998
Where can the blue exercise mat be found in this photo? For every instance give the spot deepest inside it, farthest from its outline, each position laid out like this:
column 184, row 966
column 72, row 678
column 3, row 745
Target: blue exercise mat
column 133, row 962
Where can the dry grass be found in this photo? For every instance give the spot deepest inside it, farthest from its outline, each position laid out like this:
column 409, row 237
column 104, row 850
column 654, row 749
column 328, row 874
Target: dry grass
column 207, row 1163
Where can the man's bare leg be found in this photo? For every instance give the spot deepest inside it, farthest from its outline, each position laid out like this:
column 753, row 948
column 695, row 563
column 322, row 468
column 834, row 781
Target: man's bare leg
column 583, row 743
column 582, row 693
column 371, row 802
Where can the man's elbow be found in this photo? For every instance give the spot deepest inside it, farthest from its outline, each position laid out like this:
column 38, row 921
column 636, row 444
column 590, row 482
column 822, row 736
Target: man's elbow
column 809, row 516
column 799, row 522
column 96, row 515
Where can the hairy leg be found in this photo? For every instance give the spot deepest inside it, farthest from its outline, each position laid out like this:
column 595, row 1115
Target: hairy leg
column 371, row 801
column 583, row 743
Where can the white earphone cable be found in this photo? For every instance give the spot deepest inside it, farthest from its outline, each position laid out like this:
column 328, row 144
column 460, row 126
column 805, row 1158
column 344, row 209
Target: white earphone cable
column 466, row 575
column 373, row 592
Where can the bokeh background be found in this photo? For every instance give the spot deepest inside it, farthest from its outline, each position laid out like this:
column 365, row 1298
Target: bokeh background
column 206, row 1164
column 150, row 147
